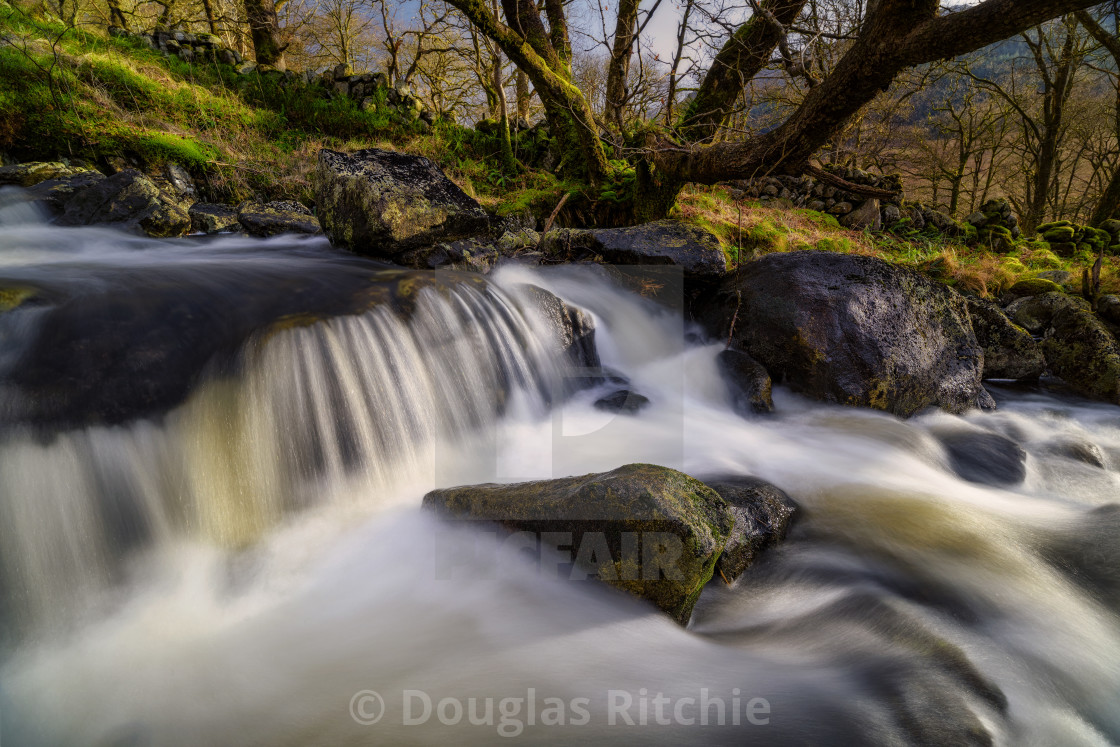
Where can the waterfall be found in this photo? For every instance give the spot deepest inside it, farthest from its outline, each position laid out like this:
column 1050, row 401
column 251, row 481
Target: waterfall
column 241, row 557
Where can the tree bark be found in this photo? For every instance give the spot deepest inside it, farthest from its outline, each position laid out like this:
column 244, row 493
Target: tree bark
column 523, row 95
column 528, row 44
column 1108, row 205
column 740, row 59
column 618, row 69
column 264, row 29
column 901, row 34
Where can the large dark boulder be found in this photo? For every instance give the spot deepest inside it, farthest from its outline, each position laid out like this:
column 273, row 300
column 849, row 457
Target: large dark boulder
column 651, row 531
column 1081, row 350
column 382, row 204
column 696, row 251
column 275, row 218
column 127, row 200
column 851, row 329
column 1009, row 350
column 762, row 513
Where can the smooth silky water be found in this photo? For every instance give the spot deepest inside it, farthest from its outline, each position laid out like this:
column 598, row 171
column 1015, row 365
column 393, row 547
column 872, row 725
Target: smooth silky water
column 239, row 569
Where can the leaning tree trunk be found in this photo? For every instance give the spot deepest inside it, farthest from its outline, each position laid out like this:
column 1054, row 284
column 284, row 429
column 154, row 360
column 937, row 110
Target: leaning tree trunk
column 1109, row 204
column 264, row 29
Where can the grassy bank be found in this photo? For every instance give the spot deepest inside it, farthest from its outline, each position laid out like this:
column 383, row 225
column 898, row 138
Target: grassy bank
column 81, row 95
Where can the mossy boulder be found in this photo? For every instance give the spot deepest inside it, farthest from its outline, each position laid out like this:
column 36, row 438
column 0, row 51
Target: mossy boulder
column 1059, row 234
column 1081, row 350
column 382, row 204
column 666, row 242
column 866, row 217
column 851, row 329
column 651, row 531
column 1109, row 308
column 1009, row 350
column 1032, row 287
column 275, row 218
column 1034, row 313
column 127, row 200
column 30, row 174
column 210, row 218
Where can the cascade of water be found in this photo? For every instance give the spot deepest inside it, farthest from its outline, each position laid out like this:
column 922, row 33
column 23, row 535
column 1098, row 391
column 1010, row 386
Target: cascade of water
column 227, row 574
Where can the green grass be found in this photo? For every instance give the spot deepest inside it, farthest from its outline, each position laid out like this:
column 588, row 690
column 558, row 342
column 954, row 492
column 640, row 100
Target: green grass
column 100, row 99
column 747, row 229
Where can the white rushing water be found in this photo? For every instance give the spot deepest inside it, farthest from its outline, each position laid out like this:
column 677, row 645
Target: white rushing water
column 253, row 566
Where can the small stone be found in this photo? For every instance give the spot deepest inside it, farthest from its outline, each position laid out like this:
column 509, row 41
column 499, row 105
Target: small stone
column 623, row 401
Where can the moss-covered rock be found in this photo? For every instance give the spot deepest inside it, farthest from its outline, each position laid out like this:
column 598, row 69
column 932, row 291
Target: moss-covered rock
column 1032, row 287
column 696, row 251
column 210, row 218
column 30, row 174
column 851, row 329
column 127, row 200
column 1009, row 350
column 1081, row 350
column 1034, row 313
column 383, row 204
column 275, row 218
column 1059, row 234
column 652, row 531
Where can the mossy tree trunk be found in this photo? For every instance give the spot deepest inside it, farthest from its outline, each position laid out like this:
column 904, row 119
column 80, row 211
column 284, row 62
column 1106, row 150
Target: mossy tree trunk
column 264, row 30
column 545, row 57
column 896, row 35
column 1108, row 206
column 618, row 68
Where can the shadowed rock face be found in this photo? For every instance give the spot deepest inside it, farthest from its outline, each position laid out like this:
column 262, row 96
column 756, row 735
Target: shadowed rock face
column 762, row 514
column 649, row 530
column 748, row 382
column 382, row 204
column 1081, row 350
column 127, row 200
column 852, row 330
column 1009, row 350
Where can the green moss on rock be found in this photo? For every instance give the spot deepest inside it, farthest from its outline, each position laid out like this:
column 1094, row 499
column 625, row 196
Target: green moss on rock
column 660, row 531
